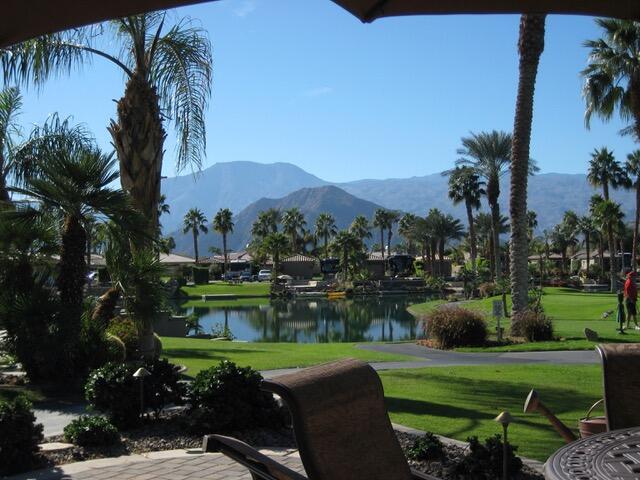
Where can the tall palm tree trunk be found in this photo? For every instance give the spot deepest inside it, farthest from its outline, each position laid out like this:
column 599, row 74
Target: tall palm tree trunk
column 326, row 246
column 636, row 226
column 138, row 138
column 224, row 249
column 495, row 238
column 586, row 240
column 530, row 46
column 472, row 235
column 601, row 253
column 382, row 242
column 195, row 242
column 612, row 258
column 4, row 194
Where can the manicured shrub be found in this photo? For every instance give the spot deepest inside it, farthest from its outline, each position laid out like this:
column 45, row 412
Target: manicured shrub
column 200, row 275
column 112, row 390
column 487, row 289
column 534, row 326
column 226, row 398
column 454, row 327
column 117, row 350
column 19, row 436
column 125, row 329
column 88, row 431
column 426, row 448
column 484, row 461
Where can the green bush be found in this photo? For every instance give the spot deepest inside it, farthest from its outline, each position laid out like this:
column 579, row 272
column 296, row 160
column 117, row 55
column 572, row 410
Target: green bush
column 454, row 327
column 19, row 436
column 117, row 350
column 200, row 275
column 112, row 390
column 125, row 329
column 484, row 461
column 88, row 431
column 227, row 398
column 534, row 326
column 103, row 275
column 426, row 448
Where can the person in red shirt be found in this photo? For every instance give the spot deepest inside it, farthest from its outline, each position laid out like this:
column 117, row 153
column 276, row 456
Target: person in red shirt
column 631, row 297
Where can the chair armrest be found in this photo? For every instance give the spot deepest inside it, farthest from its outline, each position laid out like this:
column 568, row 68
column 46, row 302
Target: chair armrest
column 421, row 476
column 260, row 466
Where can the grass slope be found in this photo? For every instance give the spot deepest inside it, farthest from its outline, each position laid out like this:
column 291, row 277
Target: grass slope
column 572, row 311
column 462, row 401
column 223, row 288
column 198, row 354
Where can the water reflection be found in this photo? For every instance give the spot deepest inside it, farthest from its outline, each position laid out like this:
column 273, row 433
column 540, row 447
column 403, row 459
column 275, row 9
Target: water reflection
column 315, row 321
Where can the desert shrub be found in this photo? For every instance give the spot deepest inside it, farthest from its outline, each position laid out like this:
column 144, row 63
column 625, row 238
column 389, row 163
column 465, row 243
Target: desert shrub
column 434, row 283
column 487, row 289
column 88, row 431
column 19, row 436
column 534, row 326
column 227, row 397
column 454, row 327
column 426, row 448
column 484, row 461
column 125, row 329
column 200, row 275
column 111, row 389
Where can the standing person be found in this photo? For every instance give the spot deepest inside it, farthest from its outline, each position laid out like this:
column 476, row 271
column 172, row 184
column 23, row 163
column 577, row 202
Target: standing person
column 630, row 298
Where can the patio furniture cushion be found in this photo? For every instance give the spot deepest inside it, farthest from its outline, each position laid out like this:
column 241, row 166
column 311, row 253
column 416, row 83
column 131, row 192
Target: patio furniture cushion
column 621, row 374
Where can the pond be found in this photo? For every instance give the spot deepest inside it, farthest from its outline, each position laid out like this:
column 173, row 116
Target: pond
column 364, row 319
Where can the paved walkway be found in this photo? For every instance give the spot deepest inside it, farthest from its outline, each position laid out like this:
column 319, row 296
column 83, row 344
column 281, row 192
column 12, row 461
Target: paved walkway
column 168, row 465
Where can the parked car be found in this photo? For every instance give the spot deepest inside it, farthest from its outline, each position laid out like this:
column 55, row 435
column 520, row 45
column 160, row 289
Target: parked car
column 264, row 275
column 246, row 277
column 231, row 276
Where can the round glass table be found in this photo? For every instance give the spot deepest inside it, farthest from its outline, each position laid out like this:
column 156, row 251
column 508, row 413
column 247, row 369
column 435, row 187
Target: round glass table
column 610, row 455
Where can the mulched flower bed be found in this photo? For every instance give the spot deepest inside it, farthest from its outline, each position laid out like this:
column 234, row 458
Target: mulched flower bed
column 169, row 433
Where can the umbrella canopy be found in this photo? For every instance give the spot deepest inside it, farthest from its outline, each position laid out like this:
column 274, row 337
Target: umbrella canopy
column 369, row 10
column 24, row 19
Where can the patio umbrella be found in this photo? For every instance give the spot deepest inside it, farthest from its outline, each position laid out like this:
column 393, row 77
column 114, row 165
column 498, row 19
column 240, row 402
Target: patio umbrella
column 370, row 10
column 24, row 19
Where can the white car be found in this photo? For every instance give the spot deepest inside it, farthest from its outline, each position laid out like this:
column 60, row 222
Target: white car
column 264, row 275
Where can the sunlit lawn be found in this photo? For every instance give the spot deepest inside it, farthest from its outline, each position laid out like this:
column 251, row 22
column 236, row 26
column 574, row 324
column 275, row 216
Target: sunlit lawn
column 198, row 354
column 459, row 402
column 222, row 288
column 571, row 312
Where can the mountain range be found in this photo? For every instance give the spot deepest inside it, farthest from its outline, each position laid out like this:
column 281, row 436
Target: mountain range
column 248, row 187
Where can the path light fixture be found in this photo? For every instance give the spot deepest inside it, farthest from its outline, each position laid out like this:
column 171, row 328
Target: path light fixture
column 505, row 419
column 140, row 374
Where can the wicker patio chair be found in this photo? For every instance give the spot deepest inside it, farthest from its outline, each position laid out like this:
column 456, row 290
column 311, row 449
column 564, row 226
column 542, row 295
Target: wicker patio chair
column 341, row 426
column 621, row 372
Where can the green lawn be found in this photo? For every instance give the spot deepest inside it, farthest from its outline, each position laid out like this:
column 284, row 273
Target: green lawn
column 461, row 401
column 252, row 289
column 571, row 312
column 198, row 354
column 240, row 302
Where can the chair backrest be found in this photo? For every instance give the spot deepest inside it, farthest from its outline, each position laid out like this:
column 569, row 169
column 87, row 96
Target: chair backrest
column 621, row 374
column 340, row 422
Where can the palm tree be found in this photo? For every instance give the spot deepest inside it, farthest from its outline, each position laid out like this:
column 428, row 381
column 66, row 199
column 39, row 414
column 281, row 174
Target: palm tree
column 223, row 224
column 361, row 227
column 325, row 228
column 10, row 105
column 489, row 155
column 346, row 245
column 632, row 168
column 605, row 171
column 588, row 230
column 266, row 223
column 163, row 207
column 168, row 72
column 195, row 222
column 293, row 224
column 530, row 47
column 563, row 237
column 380, row 221
column 392, row 217
column 611, row 79
column 77, row 187
column 276, row 244
column 406, row 228
column 465, row 186
column 532, row 224
column 445, row 228
column 608, row 214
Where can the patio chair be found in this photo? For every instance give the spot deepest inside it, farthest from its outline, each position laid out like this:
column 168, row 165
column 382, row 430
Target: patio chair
column 341, row 426
column 621, row 373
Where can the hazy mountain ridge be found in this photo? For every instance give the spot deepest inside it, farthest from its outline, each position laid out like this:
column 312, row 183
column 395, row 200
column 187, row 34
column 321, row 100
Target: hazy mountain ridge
column 237, row 185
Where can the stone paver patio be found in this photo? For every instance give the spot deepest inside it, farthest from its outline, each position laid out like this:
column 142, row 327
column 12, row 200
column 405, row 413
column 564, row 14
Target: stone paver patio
column 168, row 465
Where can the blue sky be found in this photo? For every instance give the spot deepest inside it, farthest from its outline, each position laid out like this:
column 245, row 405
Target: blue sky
column 305, row 82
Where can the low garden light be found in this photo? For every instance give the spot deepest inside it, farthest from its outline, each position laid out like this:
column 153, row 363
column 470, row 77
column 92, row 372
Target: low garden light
column 140, row 374
column 505, row 419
